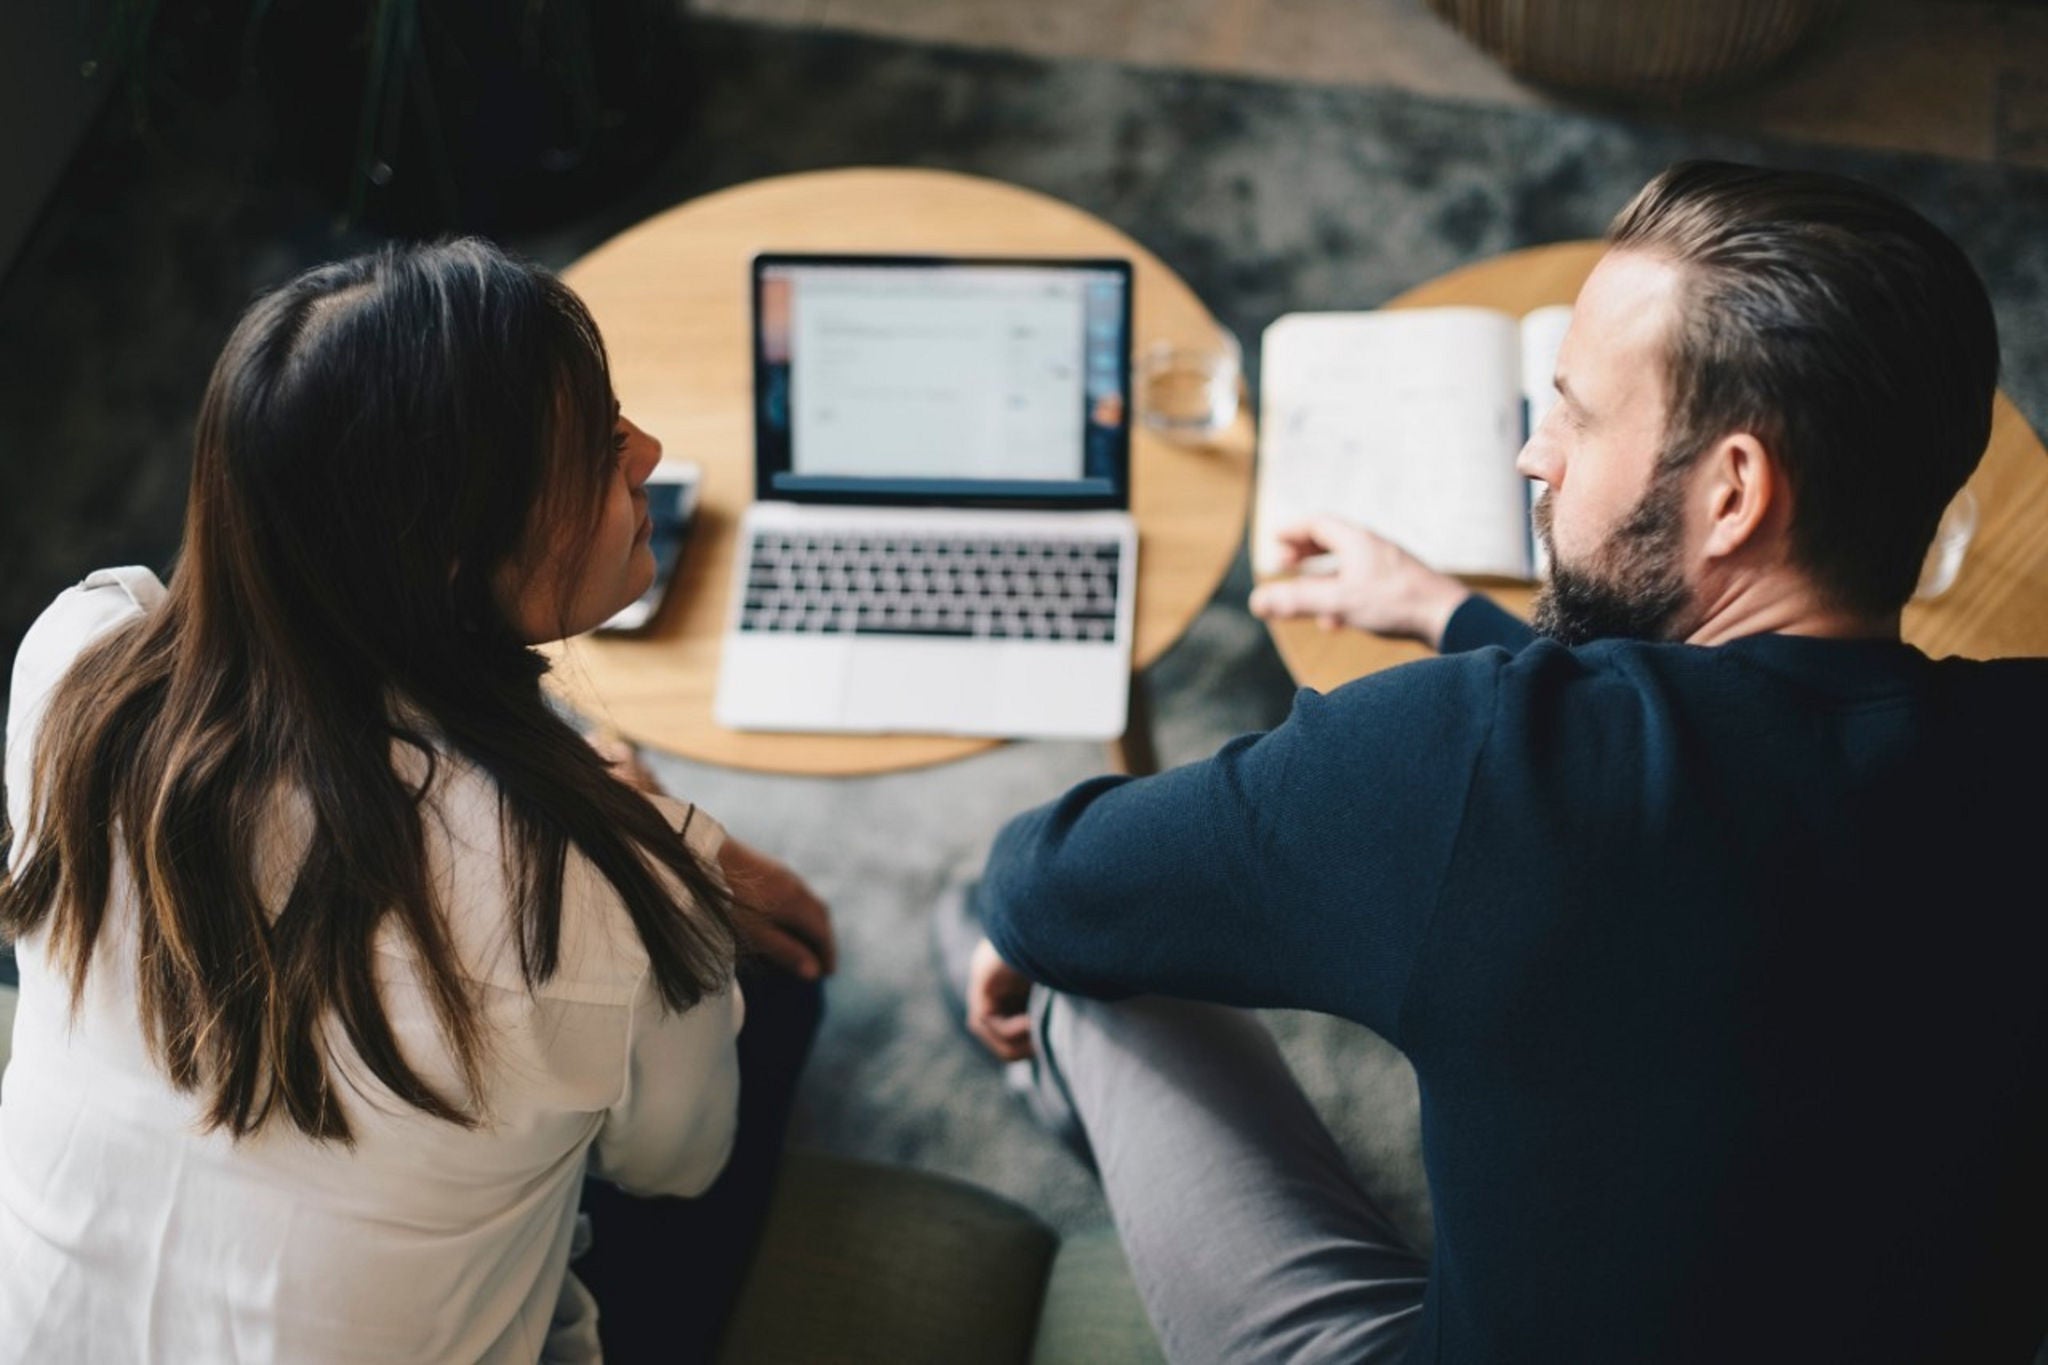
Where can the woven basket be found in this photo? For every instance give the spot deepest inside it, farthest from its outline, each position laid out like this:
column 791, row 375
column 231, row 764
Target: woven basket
column 1640, row 49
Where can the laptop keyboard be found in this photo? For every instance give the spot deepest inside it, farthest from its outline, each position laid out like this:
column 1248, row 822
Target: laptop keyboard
column 997, row 587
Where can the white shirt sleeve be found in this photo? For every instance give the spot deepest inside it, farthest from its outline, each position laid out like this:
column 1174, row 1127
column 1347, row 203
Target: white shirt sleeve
column 672, row 1128
column 79, row 616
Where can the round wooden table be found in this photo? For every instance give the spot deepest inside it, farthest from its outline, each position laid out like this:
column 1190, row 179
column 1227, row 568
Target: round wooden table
column 1998, row 606
column 671, row 297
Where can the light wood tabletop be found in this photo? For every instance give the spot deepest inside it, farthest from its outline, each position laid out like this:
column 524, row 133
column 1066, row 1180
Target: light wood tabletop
column 1998, row 606
column 671, row 296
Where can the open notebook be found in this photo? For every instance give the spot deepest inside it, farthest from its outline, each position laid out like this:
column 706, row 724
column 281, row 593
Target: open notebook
column 1407, row 421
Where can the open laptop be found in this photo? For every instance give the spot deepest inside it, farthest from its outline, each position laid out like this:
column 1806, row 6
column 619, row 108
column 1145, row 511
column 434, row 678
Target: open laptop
column 941, row 539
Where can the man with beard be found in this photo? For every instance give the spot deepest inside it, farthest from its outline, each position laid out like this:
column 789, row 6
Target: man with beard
column 1708, row 912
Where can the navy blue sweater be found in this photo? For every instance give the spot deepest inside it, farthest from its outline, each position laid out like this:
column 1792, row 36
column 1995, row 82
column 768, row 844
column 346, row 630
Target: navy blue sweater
column 1724, row 972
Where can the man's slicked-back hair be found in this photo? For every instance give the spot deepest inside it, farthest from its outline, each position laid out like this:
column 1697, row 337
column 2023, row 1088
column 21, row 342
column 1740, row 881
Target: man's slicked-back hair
column 1846, row 333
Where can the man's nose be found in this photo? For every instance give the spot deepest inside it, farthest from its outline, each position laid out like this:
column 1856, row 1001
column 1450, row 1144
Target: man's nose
column 1539, row 458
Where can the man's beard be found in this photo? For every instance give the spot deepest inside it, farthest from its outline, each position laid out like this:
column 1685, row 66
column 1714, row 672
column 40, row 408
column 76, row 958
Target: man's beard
column 1633, row 587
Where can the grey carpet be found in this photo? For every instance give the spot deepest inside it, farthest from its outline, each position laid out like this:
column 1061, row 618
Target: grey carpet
column 1267, row 197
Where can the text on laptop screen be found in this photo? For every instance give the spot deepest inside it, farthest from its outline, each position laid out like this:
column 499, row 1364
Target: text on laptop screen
column 942, row 379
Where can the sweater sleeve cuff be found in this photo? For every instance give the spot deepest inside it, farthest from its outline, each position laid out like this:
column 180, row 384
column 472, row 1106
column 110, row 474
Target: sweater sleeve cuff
column 1478, row 622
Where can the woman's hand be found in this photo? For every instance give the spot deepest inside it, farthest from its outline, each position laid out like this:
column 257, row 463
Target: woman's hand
column 779, row 916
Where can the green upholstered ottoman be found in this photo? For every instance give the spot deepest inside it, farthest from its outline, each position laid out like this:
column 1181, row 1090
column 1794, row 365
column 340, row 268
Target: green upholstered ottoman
column 865, row 1263
column 1091, row 1310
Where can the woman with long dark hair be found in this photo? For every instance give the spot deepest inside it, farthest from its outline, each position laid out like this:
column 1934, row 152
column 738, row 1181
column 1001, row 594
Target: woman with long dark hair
column 343, row 957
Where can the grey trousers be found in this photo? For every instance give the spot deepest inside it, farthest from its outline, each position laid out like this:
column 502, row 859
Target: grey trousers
column 1248, row 1236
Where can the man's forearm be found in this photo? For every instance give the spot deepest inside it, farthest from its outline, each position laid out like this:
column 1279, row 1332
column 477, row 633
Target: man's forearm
column 1127, row 886
column 1293, row 870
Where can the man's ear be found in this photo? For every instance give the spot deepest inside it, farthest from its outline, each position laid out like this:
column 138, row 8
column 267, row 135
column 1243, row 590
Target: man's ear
column 1743, row 492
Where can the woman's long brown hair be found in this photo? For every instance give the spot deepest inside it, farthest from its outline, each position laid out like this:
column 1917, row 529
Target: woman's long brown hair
column 379, row 438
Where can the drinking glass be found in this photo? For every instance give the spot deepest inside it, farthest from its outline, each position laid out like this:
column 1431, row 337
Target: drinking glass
column 1188, row 392
column 1945, row 554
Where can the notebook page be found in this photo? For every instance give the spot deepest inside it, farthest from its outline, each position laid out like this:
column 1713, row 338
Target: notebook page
column 1405, row 421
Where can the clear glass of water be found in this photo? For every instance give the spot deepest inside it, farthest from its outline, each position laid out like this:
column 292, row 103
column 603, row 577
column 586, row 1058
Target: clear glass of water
column 1188, row 392
column 1945, row 554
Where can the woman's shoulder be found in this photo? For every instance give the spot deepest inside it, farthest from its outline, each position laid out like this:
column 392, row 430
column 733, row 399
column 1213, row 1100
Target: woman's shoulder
column 80, row 615
column 704, row 835
column 598, row 933
column 601, row 959
column 95, row 604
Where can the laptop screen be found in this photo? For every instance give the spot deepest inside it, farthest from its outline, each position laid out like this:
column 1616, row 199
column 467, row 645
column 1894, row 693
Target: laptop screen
column 932, row 380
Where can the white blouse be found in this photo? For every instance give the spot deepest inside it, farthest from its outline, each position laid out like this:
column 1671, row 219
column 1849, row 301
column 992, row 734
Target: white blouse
column 128, row 1234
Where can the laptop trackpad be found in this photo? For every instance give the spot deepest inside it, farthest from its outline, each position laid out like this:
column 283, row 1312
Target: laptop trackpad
column 916, row 685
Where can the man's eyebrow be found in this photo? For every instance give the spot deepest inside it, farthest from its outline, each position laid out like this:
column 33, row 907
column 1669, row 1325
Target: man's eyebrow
column 1564, row 391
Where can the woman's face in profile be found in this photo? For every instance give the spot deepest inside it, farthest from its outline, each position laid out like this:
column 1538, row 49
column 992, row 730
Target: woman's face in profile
column 540, row 597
